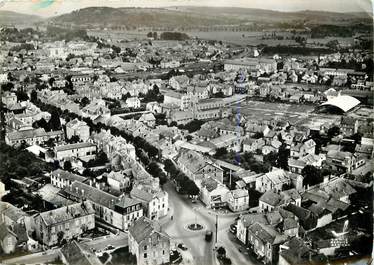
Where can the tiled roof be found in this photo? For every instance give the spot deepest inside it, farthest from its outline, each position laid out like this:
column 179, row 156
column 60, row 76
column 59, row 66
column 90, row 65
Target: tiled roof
column 77, row 254
column 143, row 228
column 80, row 190
column 5, row 231
column 267, row 233
column 272, row 198
column 73, row 146
column 68, row 175
column 11, row 211
column 40, row 132
column 66, row 213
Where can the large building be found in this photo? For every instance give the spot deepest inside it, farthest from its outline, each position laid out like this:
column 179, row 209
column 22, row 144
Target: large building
column 251, row 65
column 61, row 178
column 77, row 128
column 83, row 151
column 148, row 243
column 64, row 223
column 33, row 136
column 198, row 167
column 119, row 212
column 155, row 204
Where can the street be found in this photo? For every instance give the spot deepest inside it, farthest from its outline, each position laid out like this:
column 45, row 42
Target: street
column 185, row 212
column 51, row 255
column 36, row 258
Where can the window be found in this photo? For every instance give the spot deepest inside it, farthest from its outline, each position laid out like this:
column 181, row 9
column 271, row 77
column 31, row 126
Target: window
column 145, row 247
column 145, row 255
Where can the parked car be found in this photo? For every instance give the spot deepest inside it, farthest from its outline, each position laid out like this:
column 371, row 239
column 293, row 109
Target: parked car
column 208, row 235
column 233, row 228
column 109, row 247
column 182, row 246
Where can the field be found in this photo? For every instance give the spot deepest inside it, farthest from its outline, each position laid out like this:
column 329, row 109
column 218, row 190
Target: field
column 235, row 37
column 239, row 37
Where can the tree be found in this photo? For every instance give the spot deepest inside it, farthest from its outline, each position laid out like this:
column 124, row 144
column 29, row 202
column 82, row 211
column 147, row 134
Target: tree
column 67, row 165
column 84, row 102
column 42, row 123
column 312, row 175
column 34, row 96
column 60, row 237
column 54, row 122
column 221, row 252
column 333, row 131
column 21, row 95
column 220, row 152
column 283, row 155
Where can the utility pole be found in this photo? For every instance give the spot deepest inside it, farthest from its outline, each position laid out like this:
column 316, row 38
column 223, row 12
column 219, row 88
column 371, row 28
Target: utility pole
column 216, row 229
column 2, row 117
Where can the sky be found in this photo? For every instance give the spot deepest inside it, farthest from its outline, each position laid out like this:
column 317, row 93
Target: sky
column 47, row 8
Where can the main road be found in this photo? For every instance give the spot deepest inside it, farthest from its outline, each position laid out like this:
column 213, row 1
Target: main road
column 185, row 212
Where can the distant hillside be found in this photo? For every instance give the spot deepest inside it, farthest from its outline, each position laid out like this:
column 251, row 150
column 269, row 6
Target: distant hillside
column 192, row 17
column 13, row 18
column 139, row 17
column 262, row 15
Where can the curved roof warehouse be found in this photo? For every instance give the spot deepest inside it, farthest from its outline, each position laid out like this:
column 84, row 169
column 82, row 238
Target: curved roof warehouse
column 344, row 102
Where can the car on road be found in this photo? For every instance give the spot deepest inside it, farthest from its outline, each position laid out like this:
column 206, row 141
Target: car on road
column 109, row 247
column 233, row 228
column 208, row 235
column 182, row 246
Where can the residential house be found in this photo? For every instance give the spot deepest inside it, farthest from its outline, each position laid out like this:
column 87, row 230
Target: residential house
column 11, row 215
column 133, row 102
column 148, row 119
column 348, row 125
column 198, row 167
column 169, row 64
column 238, row 200
column 296, row 251
column 230, row 142
column 118, row 181
column 275, row 179
column 84, row 151
column 8, row 239
column 324, row 207
column 155, row 203
column 252, row 145
column 96, row 108
column 181, row 117
column 78, row 128
column 213, row 193
column 9, row 99
column 340, row 161
column 264, row 240
column 179, row 82
column 61, row 178
column 67, row 222
column 154, row 107
column 119, row 212
column 302, row 149
column 271, row 200
column 33, row 136
column 74, row 253
column 148, row 243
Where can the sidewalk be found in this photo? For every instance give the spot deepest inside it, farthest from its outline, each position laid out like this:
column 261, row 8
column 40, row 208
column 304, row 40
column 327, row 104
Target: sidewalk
column 225, row 212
